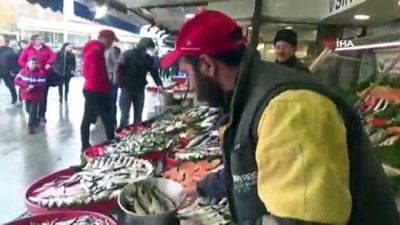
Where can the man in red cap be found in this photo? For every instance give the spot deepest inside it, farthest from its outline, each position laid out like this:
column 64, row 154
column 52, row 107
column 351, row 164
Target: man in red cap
column 294, row 152
column 96, row 87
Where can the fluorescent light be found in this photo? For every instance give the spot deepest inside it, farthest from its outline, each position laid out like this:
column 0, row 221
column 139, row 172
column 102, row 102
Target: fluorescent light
column 189, row 16
column 361, row 17
column 100, row 12
column 398, row 2
column 288, row 28
column 271, row 50
column 371, row 46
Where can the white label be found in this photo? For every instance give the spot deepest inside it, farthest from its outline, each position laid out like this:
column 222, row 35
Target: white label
column 336, row 6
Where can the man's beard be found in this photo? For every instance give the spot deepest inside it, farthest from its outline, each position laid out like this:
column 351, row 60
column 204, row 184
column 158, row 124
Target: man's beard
column 209, row 91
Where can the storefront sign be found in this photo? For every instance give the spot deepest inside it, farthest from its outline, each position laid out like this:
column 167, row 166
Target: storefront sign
column 384, row 59
column 336, row 6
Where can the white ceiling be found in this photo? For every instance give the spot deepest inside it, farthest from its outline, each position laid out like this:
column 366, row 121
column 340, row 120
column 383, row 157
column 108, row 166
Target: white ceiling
column 303, row 15
column 380, row 11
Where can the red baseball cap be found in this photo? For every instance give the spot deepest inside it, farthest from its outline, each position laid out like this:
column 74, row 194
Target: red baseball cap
column 209, row 32
column 108, row 34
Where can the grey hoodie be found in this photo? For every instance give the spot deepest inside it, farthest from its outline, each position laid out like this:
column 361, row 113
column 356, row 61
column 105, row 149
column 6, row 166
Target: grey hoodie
column 111, row 64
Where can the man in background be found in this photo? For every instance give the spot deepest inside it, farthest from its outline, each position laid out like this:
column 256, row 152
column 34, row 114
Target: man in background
column 8, row 60
column 97, row 86
column 285, row 43
column 133, row 69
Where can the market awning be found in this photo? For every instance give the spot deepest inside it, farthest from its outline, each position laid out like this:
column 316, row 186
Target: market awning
column 86, row 10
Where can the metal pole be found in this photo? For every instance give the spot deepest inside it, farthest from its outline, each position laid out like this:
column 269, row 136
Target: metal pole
column 256, row 24
column 68, row 11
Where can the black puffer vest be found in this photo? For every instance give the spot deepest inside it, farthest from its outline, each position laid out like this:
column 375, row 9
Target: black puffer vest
column 259, row 82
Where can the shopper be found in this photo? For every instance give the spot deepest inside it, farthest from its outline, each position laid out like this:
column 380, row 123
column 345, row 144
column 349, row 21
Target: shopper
column 7, row 67
column 65, row 66
column 32, row 82
column 294, row 152
column 97, row 86
column 285, row 43
column 133, row 69
column 112, row 60
column 46, row 58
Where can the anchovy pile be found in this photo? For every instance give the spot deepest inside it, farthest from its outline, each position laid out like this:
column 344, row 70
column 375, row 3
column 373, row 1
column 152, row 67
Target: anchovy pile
column 142, row 143
column 201, row 147
column 146, row 199
column 209, row 211
column 96, row 182
column 83, row 220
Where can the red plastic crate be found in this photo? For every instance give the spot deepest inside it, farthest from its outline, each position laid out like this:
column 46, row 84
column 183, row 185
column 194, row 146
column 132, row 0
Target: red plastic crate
column 61, row 216
column 106, row 206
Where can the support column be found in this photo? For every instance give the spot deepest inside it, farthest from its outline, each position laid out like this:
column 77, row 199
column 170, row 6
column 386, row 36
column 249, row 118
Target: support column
column 68, row 12
column 256, row 22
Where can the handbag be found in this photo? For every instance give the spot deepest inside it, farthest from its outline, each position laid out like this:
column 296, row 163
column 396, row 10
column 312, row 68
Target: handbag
column 54, row 79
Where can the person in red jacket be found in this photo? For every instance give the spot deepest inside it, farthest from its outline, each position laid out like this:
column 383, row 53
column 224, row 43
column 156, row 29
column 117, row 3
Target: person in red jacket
column 96, row 87
column 46, row 57
column 32, row 82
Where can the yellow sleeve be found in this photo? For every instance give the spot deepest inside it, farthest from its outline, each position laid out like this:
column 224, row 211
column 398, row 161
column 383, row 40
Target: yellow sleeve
column 302, row 159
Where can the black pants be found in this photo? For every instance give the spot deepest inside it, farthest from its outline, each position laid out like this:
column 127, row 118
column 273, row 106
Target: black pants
column 43, row 104
column 32, row 108
column 96, row 104
column 125, row 102
column 63, row 88
column 8, row 81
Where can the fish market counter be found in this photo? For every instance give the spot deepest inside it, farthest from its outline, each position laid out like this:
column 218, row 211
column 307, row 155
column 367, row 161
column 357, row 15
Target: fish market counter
column 137, row 179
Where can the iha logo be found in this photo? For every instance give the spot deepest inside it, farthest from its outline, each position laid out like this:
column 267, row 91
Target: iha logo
column 337, row 43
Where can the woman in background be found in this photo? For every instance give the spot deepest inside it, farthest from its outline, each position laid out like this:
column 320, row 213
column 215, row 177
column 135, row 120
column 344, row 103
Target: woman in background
column 65, row 66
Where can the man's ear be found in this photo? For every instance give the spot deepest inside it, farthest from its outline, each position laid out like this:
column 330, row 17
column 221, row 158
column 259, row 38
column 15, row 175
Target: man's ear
column 207, row 65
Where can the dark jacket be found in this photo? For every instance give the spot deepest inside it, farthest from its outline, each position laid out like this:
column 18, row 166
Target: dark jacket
column 295, row 63
column 134, row 66
column 65, row 64
column 94, row 67
column 372, row 197
column 8, row 61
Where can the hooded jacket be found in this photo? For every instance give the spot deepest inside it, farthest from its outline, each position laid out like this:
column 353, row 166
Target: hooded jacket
column 94, row 67
column 45, row 55
column 134, row 66
column 37, row 78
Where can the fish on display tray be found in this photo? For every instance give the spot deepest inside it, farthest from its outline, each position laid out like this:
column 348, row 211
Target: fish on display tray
column 208, row 211
column 147, row 199
column 101, row 179
column 202, row 147
column 82, row 220
column 141, row 143
column 189, row 173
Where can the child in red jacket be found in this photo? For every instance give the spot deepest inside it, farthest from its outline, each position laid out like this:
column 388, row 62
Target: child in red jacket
column 32, row 81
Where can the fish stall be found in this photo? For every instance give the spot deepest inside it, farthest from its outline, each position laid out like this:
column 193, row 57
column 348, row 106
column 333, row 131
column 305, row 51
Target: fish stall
column 138, row 177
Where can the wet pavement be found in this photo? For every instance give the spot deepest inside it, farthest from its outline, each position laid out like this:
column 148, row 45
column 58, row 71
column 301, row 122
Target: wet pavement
column 25, row 158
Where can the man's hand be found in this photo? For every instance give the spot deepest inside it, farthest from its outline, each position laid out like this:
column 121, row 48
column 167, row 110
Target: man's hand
column 47, row 67
column 30, row 87
column 189, row 192
column 160, row 88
